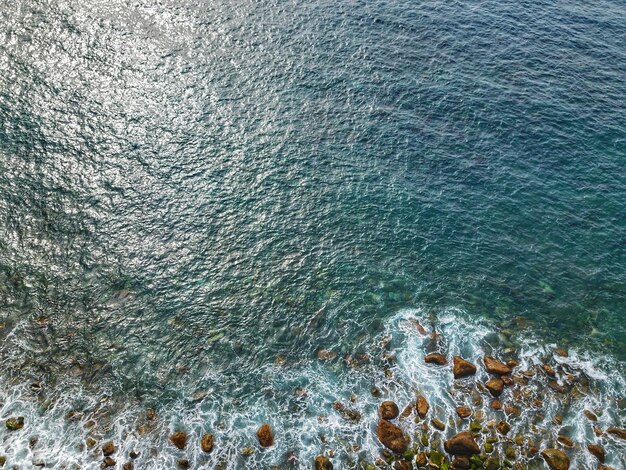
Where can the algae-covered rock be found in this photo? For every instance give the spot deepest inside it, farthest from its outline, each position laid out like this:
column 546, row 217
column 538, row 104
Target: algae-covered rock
column 492, row 463
column 556, row 459
column 488, row 447
column 438, row 424
column 503, row 427
column 14, row 424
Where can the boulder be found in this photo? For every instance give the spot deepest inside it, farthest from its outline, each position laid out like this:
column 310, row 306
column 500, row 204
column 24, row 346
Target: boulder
column 496, row 405
column 462, row 368
column 422, row 406
column 388, row 410
column 556, row 459
column 621, row 433
column 179, row 439
column 207, row 442
column 14, row 424
column 323, row 463
column 391, row 436
column 496, row 367
column 495, row 386
column 463, row 411
column 462, row 443
column 597, row 452
column 436, row 358
column 265, row 435
column 108, row 448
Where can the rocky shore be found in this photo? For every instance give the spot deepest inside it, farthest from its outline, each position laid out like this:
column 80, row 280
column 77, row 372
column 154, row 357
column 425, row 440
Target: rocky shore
column 503, row 417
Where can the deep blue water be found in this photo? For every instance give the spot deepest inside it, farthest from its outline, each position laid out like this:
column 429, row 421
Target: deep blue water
column 189, row 190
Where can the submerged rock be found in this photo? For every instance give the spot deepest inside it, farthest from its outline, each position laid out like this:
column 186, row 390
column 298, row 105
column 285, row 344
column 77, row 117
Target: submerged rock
column 388, row 410
column 207, row 442
column 326, row 355
column 348, row 413
column 462, row 368
column 590, row 415
column 14, row 424
column 556, row 459
column 495, row 386
column 408, row 410
column 179, row 439
column 436, row 358
column 597, row 452
column 496, row 367
column 391, row 436
column 265, row 435
column 108, row 462
column 566, row 441
column 150, row 414
column 462, row 443
column 183, row 463
column 461, row 462
column 438, row 424
column 463, row 411
column 323, row 463
column 621, row 433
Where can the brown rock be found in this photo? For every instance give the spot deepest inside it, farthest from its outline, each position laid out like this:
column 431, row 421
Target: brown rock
column 462, row 368
column 418, row 326
column 566, row 441
column 408, row 410
column 108, row 462
column 495, row 367
column 150, row 414
column 422, row 406
column 512, row 363
column 391, row 436
column 436, row 358
column 556, row 459
column 348, row 413
column 421, row 459
column 561, row 352
column 326, row 355
column 388, row 410
column 463, row 411
column 590, row 415
column 265, row 435
column 438, row 424
column 462, row 443
column 108, row 448
column 554, row 385
column 402, row 465
column 496, row 405
column 597, row 451
column 508, row 381
column 548, row 370
column 495, row 386
column 323, row 463
column 512, row 410
column 128, row 466
column 621, row 433
column 179, row 439
column 15, row 424
column 461, row 462
column 503, row 427
column 207, row 442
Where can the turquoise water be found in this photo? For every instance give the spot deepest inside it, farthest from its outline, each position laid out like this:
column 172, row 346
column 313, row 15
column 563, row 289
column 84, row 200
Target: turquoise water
column 189, row 190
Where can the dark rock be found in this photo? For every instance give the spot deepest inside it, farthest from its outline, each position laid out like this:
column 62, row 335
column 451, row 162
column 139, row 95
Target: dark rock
column 590, row 415
column 108, row 462
column 183, row 463
column 402, row 465
column 422, row 406
column 495, row 386
column 503, row 427
column 388, row 410
column 462, row 443
column 461, row 462
column 554, row 385
column 133, row 454
column 391, row 436
column 462, row 368
column 108, row 448
column 14, row 424
column 265, row 435
column 323, row 463
column 496, row 367
column 179, row 439
column 207, row 442
column 621, row 433
column 556, row 459
column 150, row 414
column 436, row 358
column 597, row 451
column 128, row 466
column 548, row 370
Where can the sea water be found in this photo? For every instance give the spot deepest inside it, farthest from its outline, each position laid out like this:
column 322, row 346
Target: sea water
column 197, row 197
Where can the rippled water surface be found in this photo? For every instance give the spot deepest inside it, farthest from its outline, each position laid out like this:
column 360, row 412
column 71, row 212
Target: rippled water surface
column 198, row 196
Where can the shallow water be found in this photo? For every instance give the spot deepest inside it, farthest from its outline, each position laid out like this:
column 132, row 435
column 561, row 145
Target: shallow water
column 189, row 190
